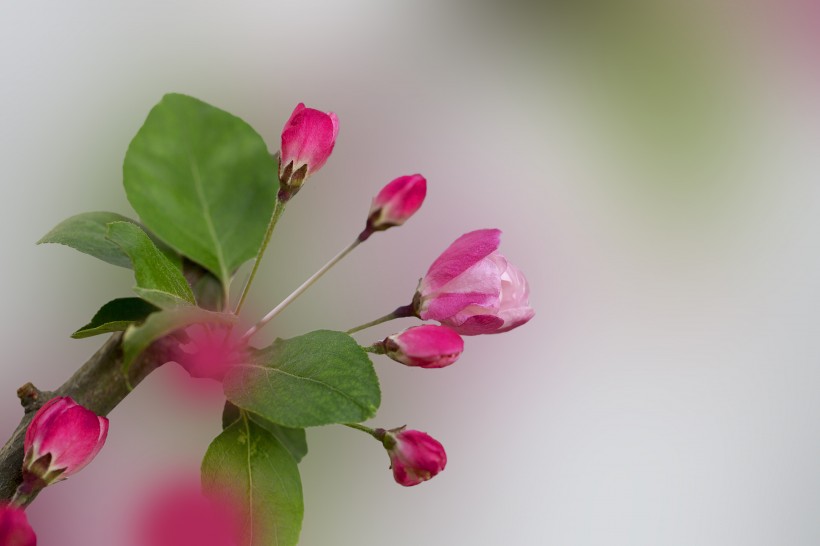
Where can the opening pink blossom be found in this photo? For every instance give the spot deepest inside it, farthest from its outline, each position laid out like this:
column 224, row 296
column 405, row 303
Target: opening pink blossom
column 473, row 289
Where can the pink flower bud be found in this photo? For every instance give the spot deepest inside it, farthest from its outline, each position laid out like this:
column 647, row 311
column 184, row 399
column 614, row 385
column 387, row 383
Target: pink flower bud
column 426, row 346
column 473, row 289
column 307, row 141
column 62, row 438
column 14, row 527
column 396, row 202
column 414, row 456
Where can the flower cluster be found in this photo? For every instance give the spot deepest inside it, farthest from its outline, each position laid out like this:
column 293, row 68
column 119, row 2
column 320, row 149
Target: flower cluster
column 469, row 289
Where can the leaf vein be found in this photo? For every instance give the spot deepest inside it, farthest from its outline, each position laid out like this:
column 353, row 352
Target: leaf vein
column 206, row 209
column 322, row 383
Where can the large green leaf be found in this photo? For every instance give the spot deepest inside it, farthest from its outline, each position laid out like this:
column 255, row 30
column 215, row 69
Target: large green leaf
column 247, row 465
column 86, row 232
column 139, row 337
column 316, row 379
column 158, row 281
column 116, row 316
column 293, row 439
column 203, row 181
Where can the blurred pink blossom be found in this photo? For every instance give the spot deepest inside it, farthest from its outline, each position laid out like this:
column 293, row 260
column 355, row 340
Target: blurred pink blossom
column 177, row 513
column 14, row 527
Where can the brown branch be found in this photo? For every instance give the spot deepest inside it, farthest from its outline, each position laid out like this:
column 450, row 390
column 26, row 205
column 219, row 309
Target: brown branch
column 98, row 385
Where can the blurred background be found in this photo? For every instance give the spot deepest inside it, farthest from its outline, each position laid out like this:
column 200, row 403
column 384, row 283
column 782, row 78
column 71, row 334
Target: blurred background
column 653, row 165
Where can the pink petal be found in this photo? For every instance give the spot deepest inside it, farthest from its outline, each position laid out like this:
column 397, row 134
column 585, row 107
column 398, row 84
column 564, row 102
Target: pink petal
column 465, row 252
column 43, row 418
column 477, row 324
column 308, row 138
column 445, row 306
column 514, row 318
column 72, row 438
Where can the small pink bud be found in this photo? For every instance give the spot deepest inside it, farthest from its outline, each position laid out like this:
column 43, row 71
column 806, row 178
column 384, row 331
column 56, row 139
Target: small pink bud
column 414, row 456
column 473, row 289
column 14, row 527
column 426, row 346
column 307, row 141
column 397, row 202
column 62, row 438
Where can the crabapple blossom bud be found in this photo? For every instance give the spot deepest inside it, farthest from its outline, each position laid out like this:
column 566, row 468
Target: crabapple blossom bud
column 307, row 141
column 473, row 289
column 62, row 438
column 426, row 346
column 414, row 456
column 396, row 202
column 14, row 527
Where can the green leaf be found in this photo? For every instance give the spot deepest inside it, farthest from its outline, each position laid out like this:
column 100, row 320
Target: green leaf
column 86, row 232
column 250, row 467
column 316, row 379
column 158, row 281
column 293, row 439
column 139, row 337
column 116, row 316
column 203, row 181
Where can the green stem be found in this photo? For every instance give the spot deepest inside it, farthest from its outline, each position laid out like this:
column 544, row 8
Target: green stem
column 24, row 495
column 304, row 286
column 363, row 428
column 278, row 209
column 401, row 312
column 376, row 348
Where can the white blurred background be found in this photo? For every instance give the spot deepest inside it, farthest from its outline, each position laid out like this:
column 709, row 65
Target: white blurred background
column 653, row 166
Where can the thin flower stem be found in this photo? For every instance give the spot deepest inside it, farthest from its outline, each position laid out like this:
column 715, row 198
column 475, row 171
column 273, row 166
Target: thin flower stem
column 25, row 494
column 401, row 312
column 376, row 348
column 18, row 499
column 296, row 293
column 363, row 428
column 278, row 209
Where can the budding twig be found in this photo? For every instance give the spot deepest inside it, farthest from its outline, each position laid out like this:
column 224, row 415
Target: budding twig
column 99, row 385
